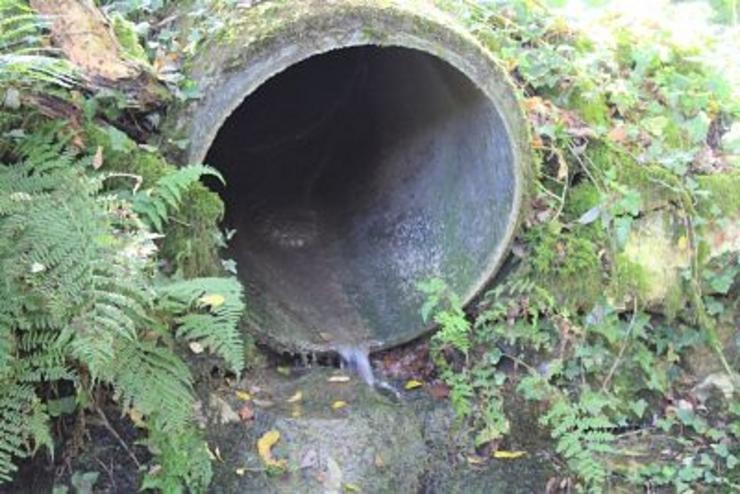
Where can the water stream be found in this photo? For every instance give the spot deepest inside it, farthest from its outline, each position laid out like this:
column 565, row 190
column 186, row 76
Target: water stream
column 357, row 360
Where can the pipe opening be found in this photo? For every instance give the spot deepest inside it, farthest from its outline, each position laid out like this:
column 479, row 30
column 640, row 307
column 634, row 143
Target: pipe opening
column 352, row 176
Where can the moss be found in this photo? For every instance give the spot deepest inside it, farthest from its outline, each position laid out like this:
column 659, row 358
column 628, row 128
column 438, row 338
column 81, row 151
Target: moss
column 629, row 280
column 724, row 193
column 567, row 263
column 656, row 185
column 126, row 33
column 591, row 106
column 581, row 198
column 191, row 239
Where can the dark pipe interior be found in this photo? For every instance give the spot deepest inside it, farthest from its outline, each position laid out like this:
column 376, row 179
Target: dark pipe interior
column 352, row 176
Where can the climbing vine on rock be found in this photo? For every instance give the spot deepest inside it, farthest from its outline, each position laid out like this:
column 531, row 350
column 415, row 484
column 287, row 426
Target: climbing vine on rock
column 621, row 317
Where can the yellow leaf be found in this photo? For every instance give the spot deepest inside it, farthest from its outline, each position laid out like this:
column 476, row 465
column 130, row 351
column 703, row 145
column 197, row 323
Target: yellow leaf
column 240, row 471
column 243, row 395
column 283, row 370
column 413, row 384
column 136, row 417
column 338, row 379
column 213, row 299
column 338, row 404
column 508, row 455
column 351, row 488
column 196, row 347
column 683, row 242
column 264, row 448
column 298, row 396
column 476, row 460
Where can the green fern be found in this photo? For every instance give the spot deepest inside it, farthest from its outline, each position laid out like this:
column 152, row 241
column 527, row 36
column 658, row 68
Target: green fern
column 79, row 292
column 155, row 205
column 581, row 435
column 208, row 311
column 25, row 59
column 23, row 425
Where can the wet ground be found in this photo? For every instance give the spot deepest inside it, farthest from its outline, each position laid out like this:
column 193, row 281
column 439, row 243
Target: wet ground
column 336, row 434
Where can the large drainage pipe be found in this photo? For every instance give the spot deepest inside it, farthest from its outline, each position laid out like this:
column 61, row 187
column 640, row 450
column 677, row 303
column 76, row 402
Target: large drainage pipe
column 367, row 146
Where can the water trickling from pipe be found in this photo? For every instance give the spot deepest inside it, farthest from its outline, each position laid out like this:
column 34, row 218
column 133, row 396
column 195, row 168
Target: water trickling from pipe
column 357, row 360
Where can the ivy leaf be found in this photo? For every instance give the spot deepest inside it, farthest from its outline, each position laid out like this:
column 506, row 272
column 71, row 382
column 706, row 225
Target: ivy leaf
column 590, row 216
column 639, row 407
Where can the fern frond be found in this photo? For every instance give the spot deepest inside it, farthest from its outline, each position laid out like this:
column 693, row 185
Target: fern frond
column 154, row 380
column 23, row 425
column 208, row 311
column 154, row 205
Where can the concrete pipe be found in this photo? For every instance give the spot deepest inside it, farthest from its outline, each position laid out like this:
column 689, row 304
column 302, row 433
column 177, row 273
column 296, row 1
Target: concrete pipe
column 367, row 146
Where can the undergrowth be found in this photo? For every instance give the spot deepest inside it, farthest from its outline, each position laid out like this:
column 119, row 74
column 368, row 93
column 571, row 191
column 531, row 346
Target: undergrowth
column 83, row 298
column 626, row 128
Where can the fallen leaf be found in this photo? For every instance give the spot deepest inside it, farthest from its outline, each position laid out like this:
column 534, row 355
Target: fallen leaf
column 338, row 404
column 214, row 300
column 224, row 411
column 264, row 448
column 283, row 370
column 325, row 336
column 439, row 391
column 296, row 412
column 562, row 168
column 618, row 134
column 37, row 267
column 508, row 455
column 683, row 242
column 246, row 413
column 136, row 417
column 475, row 460
column 412, row 384
column 351, row 488
column 298, row 396
column 240, row 471
column 263, row 403
column 214, row 454
column 243, row 395
column 338, row 379
column 379, row 461
column 195, row 347
column 97, row 160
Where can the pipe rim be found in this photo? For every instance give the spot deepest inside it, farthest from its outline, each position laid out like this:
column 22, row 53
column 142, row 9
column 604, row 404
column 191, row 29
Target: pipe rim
column 433, row 33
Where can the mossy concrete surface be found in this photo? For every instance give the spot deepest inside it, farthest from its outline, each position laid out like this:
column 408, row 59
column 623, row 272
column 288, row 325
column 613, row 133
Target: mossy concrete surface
column 262, row 40
column 372, row 443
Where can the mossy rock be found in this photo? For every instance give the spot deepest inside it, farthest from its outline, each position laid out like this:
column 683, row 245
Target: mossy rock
column 369, row 444
column 192, row 238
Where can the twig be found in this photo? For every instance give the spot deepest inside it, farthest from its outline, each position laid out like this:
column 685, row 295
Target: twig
column 138, row 178
column 118, row 437
column 626, row 343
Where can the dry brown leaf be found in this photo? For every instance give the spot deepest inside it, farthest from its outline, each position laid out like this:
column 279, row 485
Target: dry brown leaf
column 246, row 413
column 97, row 160
column 618, row 134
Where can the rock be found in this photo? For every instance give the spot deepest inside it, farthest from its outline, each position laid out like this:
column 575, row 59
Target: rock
column 324, row 449
column 655, row 245
column 658, row 244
